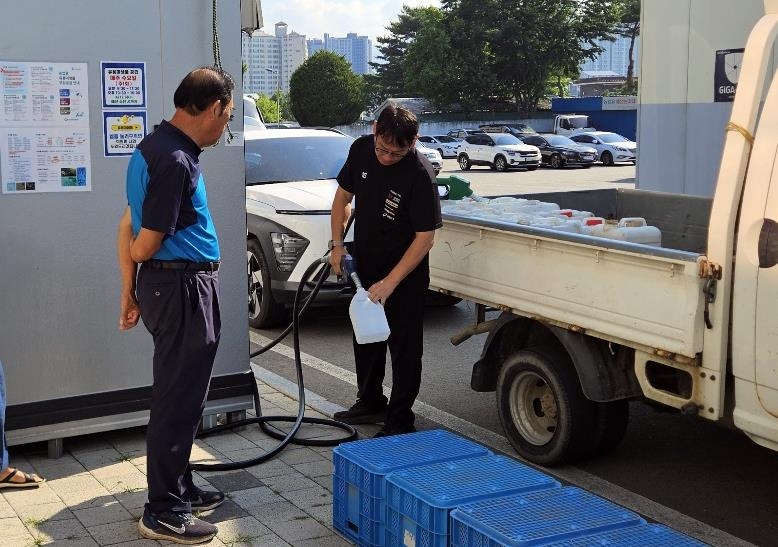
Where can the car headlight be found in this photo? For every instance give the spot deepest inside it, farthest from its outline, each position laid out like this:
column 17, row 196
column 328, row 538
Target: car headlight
column 288, row 249
column 620, row 149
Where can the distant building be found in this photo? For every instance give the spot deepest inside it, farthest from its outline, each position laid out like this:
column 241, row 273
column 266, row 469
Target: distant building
column 358, row 50
column 615, row 58
column 594, row 83
column 271, row 59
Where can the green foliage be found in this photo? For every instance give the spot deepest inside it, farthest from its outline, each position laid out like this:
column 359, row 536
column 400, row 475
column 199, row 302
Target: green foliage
column 629, row 27
column 479, row 53
column 324, row 91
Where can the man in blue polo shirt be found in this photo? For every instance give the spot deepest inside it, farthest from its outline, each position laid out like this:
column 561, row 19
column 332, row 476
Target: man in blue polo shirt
column 168, row 230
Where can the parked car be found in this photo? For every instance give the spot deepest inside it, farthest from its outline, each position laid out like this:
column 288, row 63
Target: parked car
column 516, row 129
column 499, row 151
column 433, row 155
column 460, row 134
column 445, row 145
column 290, row 183
column 611, row 147
column 559, row 151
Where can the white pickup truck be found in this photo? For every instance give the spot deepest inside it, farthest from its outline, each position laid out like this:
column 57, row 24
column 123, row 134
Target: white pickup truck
column 589, row 323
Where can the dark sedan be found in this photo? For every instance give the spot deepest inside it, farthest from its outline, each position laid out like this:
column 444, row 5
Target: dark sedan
column 558, row 151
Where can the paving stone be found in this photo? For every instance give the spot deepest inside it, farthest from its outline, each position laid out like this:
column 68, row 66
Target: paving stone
column 226, row 511
column 44, row 511
column 86, row 443
column 333, row 540
column 278, row 511
column 55, row 530
column 116, row 469
column 324, row 482
column 76, row 483
column 132, row 500
column 272, row 468
column 315, row 469
column 115, row 532
column 247, row 454
column 86, row 498
column 254, row 496
column 110, row 512
column 140, row 543
column 296, row 530
column 299, row 455
column 269, row 540
column 246, row 527
column 13, row 531
column 233, row 481
column 309, row 497
column 224, row 442
column 99, row 458
column 134, row 482
column 73, row 542
column 20, row 497
column 321, row 512
column 288, row 483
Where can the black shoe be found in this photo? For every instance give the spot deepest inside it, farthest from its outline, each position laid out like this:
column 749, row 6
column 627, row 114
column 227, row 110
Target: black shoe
column 361, row 413
column 388, row 431
column 176, row 527
column 203, row 500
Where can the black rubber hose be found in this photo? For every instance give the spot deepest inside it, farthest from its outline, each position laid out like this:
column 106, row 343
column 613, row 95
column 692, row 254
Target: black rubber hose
column 297, row 311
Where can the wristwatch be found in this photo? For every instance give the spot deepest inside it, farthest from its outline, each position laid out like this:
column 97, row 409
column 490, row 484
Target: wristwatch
column 334, row 243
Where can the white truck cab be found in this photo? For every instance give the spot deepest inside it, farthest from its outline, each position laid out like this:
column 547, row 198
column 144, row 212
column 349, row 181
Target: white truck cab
column 570, row 124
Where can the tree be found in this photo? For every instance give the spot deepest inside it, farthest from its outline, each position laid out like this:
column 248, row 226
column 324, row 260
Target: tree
column 629, row 27
column 267, row 107
column 518, row 47
column 390, row 74
column 325, row 91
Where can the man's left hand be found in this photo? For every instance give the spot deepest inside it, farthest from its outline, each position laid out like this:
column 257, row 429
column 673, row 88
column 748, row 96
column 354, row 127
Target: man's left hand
column 381, row 291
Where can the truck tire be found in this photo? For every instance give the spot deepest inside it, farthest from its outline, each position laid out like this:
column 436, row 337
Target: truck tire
column 464, row 162
column 264, row 311
column 542, row 408
column 500, row 163
column 612, row 420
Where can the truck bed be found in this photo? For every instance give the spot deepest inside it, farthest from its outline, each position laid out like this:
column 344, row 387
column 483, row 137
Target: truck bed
column 644, row 297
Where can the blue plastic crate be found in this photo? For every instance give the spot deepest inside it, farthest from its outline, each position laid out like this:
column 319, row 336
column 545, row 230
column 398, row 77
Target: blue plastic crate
column 647, row 535
column 358, row 482
column 419, row 499
column 537, row 518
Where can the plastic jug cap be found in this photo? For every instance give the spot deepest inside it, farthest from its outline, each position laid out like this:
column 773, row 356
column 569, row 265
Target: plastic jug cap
column 593, row 221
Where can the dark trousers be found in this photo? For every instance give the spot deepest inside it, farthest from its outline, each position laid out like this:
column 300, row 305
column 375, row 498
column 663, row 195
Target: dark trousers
column 405, row 315
column 181, row 311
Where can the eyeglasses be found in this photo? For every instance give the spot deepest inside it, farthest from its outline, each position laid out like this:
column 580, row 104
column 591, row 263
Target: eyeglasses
column 232, row 117
column 385, row 152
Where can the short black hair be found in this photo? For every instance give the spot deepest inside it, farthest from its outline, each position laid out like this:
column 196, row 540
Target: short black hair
column 201, row 87
column 397, row 124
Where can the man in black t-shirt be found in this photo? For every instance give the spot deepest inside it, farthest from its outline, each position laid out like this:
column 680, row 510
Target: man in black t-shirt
column 397, row 211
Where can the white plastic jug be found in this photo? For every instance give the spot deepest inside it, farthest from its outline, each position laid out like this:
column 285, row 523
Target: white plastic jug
column 368, row 319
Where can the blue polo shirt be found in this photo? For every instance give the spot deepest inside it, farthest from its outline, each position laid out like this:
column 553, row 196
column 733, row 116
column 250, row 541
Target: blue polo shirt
column 166, row 193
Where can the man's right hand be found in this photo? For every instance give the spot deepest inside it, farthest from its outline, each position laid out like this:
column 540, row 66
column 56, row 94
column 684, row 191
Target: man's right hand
column 336, row 256
column 130, row 311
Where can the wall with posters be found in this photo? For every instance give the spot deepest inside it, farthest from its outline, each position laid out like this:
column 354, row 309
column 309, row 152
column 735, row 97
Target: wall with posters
column 79, row 88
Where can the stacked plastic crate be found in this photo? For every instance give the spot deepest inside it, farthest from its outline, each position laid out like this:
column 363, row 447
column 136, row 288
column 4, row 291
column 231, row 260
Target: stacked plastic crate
column 435, row 489
column 361, row 467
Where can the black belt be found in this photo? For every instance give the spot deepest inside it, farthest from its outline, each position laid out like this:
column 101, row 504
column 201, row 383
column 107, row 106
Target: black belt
column 183, row 265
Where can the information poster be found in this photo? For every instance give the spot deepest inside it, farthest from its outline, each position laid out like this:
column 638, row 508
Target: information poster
column 123, row 131
column 44, row 127
column 124, row 85
column 727, row 74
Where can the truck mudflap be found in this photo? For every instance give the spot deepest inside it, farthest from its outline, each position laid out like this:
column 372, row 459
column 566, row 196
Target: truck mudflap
column 605, row 371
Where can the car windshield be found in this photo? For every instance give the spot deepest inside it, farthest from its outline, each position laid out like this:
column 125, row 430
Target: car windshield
column 445, row 138
column 506, row 138
column 612, row 137
column 285, row 159
column 559, row 140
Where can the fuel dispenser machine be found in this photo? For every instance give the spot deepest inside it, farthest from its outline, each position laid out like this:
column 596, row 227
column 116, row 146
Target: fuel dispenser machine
column 80, row 83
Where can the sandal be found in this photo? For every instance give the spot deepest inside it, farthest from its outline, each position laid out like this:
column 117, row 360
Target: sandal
column 29, row 480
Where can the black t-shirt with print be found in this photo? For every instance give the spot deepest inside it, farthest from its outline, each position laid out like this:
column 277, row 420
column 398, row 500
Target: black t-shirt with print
column 391, row 204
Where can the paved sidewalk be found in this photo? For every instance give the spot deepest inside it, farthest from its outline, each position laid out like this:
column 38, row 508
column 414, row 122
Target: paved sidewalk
column 95, row 493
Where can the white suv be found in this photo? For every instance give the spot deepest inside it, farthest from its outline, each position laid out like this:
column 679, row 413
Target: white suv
column 290, row 183
column 499, row 151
